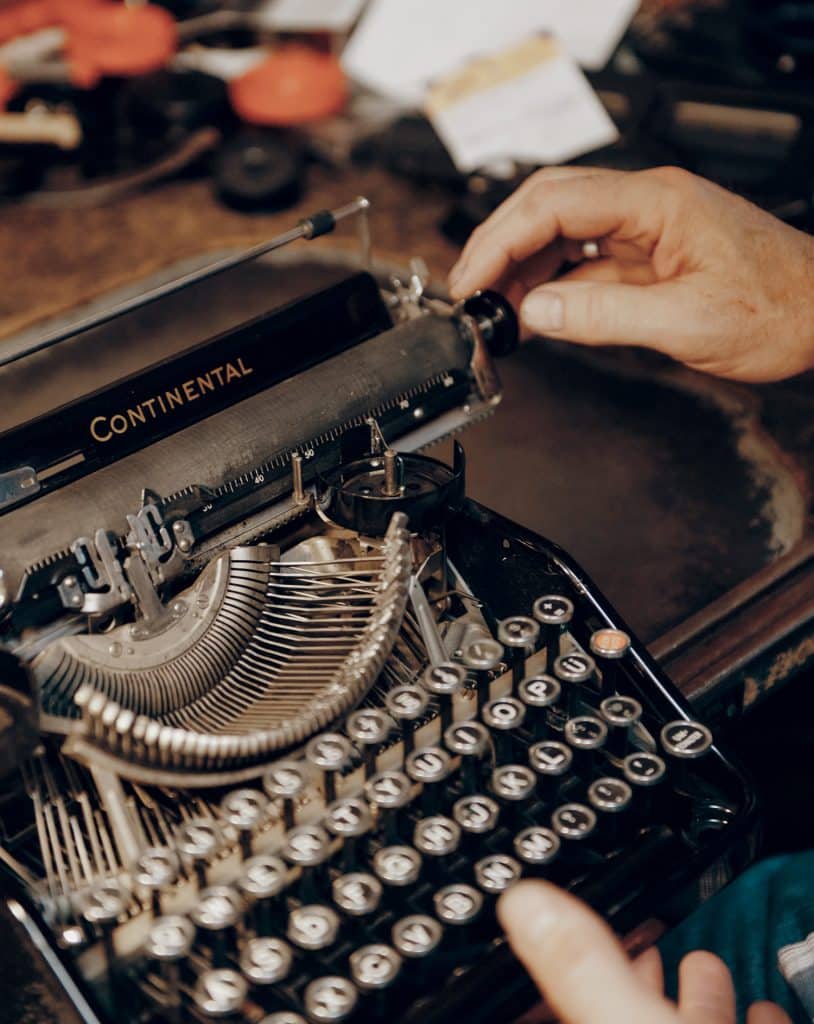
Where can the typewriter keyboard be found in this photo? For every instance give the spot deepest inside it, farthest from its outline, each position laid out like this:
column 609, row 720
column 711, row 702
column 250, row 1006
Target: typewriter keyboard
column 359, row 877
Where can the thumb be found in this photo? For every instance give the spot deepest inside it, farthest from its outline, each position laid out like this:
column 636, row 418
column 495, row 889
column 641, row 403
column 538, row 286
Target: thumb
column 605, row 313
column 575, row 959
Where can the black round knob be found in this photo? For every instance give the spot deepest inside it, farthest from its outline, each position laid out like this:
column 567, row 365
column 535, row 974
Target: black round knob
column 496, row 320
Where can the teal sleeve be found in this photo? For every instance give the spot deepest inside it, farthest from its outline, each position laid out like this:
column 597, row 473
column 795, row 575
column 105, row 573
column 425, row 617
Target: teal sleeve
column 769, row 906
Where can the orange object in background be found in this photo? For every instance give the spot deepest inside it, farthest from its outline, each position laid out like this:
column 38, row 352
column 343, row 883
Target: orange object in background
column 120, row 40
column 293, row 86
column 7, row 88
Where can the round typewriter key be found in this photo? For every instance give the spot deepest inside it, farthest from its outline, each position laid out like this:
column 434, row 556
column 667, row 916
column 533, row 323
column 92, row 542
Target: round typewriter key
column 198, row 841
column 497, row 873
column 437, row 838
column 537, row 846
column 610, row 646
column 574, row 823
column 551, row 762
column 644, row 769
column 266, row 960
column 308, row 847
column 417, row 936
column 389, row 792
column 622, row 714
column 286, row 781
column 155, row 871
column 519, row 635
column 458, row 906
column 369, row 729
column 685, row 740
column 513, row 784
column 170, row 938
column 330, row 752
column 576, row 669
column 245, row 810
column 101, row 906
column 312, row 926
column 476, row 814
column 217, row 914
column 470, row 741
column 104, row 903
column 261, row 883
column 374, row 967
column 406, row 705
column 169, row 941
column 612, row 798
column 220, row 992
column 348, row 819
column 610, row 795
column 586, row 734
column 483, row 656
column 443, row 682
column 538, row 694
column 357, row 894
column 397, row 866
column 554, row 612
column 503, row 716
column 429, row 766
column 330, row 1000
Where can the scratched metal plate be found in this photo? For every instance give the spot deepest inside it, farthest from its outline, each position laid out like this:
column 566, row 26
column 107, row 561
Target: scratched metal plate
column 664, row 484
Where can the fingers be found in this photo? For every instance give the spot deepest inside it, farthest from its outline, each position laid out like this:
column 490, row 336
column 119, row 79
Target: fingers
column 662, row 316
column 650, row 970
column 628, row 207
column 575, row 959
column 706, row 994
column 613, row 271
column 766, row 1013
column 532, row 184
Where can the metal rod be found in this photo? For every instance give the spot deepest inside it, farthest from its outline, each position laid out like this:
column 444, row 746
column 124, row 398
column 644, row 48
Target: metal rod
column 310, row 227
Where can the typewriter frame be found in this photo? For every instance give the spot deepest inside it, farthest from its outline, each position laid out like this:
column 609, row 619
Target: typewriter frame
column 494, row 545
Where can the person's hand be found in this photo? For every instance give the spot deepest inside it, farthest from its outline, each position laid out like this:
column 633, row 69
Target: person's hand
column 684, row 267
column 585, row 975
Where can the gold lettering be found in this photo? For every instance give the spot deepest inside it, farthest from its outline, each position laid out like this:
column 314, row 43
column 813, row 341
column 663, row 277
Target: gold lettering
column 95, row 434
column 102, row 429
column 173, row 398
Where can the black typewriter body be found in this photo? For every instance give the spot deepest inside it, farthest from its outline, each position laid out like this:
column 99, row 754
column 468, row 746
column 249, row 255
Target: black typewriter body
column 280, row 732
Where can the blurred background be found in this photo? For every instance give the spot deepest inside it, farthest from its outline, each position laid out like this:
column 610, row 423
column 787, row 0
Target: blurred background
column 137, row 136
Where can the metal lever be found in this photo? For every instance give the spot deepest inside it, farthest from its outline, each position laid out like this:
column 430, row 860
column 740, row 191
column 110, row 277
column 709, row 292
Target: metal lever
column 320, row 223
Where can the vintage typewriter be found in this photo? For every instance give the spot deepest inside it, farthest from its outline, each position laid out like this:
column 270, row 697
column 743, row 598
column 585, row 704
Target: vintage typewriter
column 276, row 737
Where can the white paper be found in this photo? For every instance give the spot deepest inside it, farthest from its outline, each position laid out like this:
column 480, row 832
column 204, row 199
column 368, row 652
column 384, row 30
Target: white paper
column 591, row 30
column 547, row 115
column 308, row 15
column 400, row 46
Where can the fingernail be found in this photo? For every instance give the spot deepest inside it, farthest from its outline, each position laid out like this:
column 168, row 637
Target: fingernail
column 543, row 311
